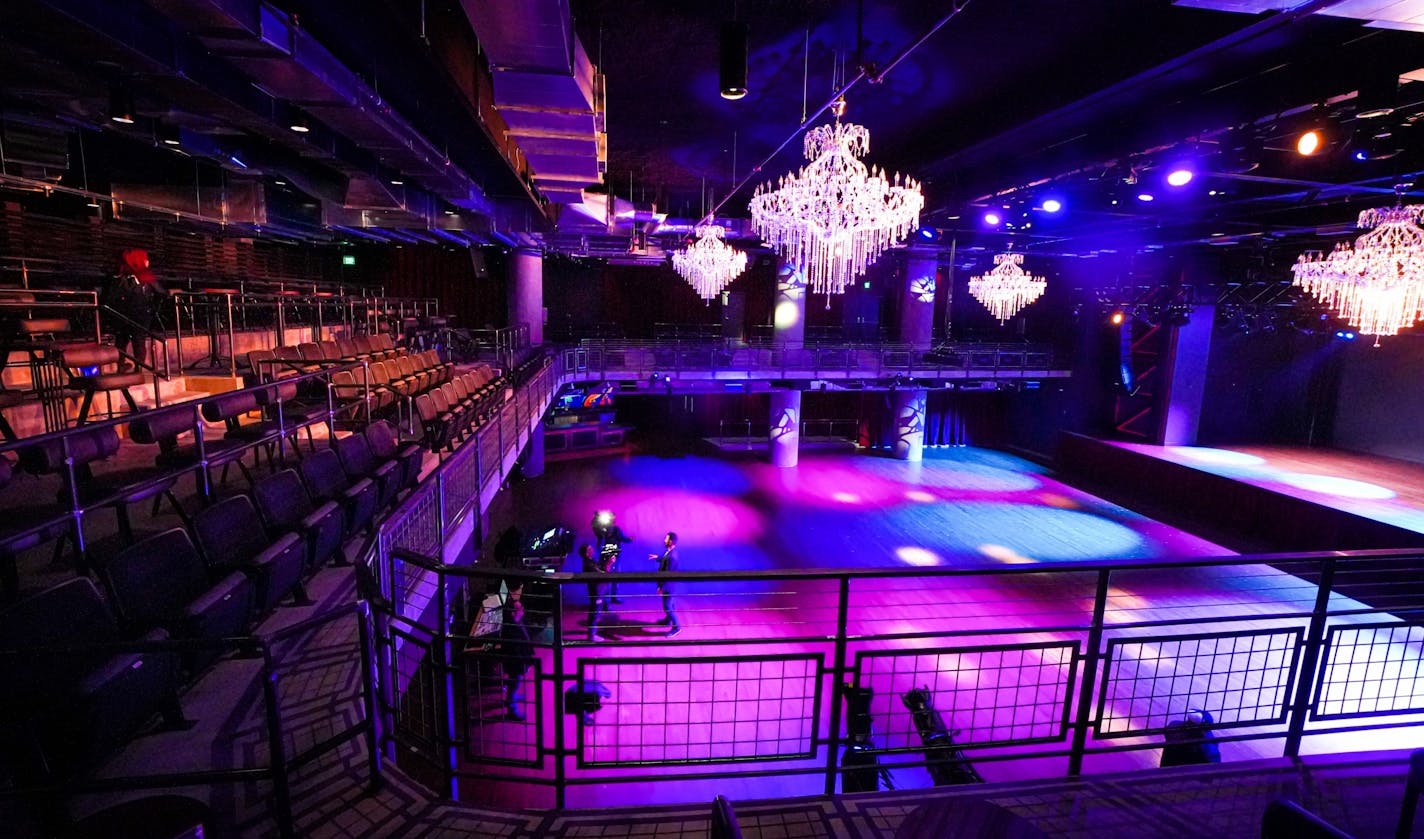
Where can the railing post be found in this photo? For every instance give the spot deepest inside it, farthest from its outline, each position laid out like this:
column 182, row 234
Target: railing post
column 231, row 338
column 560, row 771
column 1310, row 661
column 178, row 328
column 277, row 748
column 205, row 477
column 368, row 696
column 445, row 684
column 833, row 739
column 1089, row 675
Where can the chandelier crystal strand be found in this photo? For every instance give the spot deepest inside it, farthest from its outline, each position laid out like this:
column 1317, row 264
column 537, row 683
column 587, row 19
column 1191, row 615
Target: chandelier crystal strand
column 709, row 264
column 1006, row 288
column 1376, row 285
column 835, row 217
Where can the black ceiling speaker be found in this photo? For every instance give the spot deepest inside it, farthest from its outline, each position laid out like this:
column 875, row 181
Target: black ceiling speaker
column 732, row 67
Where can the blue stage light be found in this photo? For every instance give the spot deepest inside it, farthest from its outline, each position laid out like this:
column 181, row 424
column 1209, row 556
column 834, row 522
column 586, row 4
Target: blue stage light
column 928, row 233
column 1181, row 176
column 1052, row 205
column 992, row 218
column 1146, row 197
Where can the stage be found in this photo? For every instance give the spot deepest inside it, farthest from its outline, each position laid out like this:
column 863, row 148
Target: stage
column 1001, row 651
column 1295, row 498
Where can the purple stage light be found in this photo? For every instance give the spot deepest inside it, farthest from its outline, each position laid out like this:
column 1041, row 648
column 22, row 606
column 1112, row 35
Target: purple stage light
column 1180, row 176
column 992, row 218
column 1052, row 205
column 1146, row 197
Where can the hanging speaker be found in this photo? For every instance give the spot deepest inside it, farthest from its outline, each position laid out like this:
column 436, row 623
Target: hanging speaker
column 732, row 68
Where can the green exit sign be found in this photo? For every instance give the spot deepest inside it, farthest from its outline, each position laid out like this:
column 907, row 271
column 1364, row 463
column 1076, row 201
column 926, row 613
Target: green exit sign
column 348, row 259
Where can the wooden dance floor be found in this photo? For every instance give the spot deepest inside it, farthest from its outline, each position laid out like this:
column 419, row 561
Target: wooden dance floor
column 960, row 510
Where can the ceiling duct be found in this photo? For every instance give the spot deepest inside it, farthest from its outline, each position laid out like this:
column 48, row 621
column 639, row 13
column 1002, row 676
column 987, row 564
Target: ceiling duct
column 546, row 90
column 237, row 202
column 39, row 152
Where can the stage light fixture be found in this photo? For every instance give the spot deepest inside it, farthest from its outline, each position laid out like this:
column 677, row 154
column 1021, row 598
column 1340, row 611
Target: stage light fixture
column 993, row 219
column 1180, row 176
column 1146, row 197
column 121, row 106
column 169, row 135
column 928, row 234
column 732, row 63
column 1117, row 318
column 945, row 760
column 1375, row 144
column 1378, row 96
column 397, row 182
column 1309, row 142
column 1052, row 205
column 1241, row 151
column 299, row 124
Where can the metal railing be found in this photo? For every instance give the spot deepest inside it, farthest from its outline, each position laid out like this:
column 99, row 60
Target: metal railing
column 294, row 739
column 1049, row 666
column 1045, row 667
column 720, row 359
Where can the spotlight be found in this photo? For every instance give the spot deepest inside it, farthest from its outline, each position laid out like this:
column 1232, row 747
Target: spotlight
column 1345, row 335
column 945, row 761
column 121, row 106
column 732, row 64
column 992, row 218
column 169, row 136
column 1117, row 318
column 299, row 124
column 397, row 182
column 603, row 518
column 1146, row 197
column 1378, row 96
column 1309, row 142
column 1375, row 144
column 928, row 233
column 1180, row 176
column 1052, row 205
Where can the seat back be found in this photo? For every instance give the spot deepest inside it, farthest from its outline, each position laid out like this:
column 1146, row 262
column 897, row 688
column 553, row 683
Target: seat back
column 310, row 351
column 461, row 391
column 71, row 612
column 346, row 348
column 260, row 362
column 381, row 436
column 355, row 455
column 160, row 426
column 155, row 579
column 382, row 342
column 229, row 406
column 425, row 408
column 323, row 475
column 405, row 366
column 282, row 499
column 88, row 355
column 85, row 446
column 229, row 532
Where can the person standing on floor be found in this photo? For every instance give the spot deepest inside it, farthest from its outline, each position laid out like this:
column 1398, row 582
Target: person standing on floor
column 598, row 590
column 132, row 300
column 667, row 561
column 517, row 650
column 609, row 539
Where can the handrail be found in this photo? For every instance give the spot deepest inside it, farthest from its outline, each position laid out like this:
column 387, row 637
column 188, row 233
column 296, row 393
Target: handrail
column 110, row 312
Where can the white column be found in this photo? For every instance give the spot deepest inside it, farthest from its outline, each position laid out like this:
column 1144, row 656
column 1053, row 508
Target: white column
column 526, row 292
column 909, row 407
column 788, row 314
column 917, row 299
column 785, row 427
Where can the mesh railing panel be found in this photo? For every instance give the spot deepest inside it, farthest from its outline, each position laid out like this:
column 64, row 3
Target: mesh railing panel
column 1371, row 669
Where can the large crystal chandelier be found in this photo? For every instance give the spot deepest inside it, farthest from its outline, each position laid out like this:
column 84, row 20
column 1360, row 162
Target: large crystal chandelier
column 709, row 264
column 834, row 217
column 1376, row 286
column 1006, row 288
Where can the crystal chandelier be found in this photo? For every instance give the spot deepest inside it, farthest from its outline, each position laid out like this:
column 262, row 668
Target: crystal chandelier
column 834, row 217
column 709, row 264
column 1376, row 286
column 1006, row 288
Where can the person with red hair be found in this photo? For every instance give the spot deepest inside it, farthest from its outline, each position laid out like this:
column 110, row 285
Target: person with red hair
column 132, row 300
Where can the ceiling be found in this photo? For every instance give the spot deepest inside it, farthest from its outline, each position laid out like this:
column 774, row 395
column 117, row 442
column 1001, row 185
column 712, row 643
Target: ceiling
column 1007, row 103
column 471, row 123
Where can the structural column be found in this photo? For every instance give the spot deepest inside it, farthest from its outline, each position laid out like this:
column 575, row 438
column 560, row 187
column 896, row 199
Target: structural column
column 1188, row 351
column 917, row 299
column 789, row 309
column 909, row 408
column 534, row 453
column 526, row 292
column 784, row 428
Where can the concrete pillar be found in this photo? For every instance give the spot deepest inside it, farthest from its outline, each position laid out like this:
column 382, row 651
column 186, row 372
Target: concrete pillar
column 526, row 292
column 785, row 427
column 788, row 313
column 917, row 299
column 909, row 408
column 1188, row 350
column 534, row 453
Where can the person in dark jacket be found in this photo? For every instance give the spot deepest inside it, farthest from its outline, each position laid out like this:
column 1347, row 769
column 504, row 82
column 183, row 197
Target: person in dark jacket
column 132, row 295
column 600, row 591
column 609, row 539
column 517, row 652
column 667, row 561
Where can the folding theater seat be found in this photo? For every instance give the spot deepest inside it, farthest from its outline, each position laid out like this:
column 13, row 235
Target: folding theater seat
column 71, row 709
column 386, row 445
column 232, row 538
column 310, row 353
column 229, row 409
column 436, row 425
column 22, row 528
column 358, row 461
column 382, row 344
column 285, row 506
column 162, row 582
column 452, row 415
column 326, row 481
column 163, row 428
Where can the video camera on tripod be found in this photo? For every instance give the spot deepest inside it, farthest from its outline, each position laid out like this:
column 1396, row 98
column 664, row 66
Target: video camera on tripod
column 863, row 772
column 946, row 761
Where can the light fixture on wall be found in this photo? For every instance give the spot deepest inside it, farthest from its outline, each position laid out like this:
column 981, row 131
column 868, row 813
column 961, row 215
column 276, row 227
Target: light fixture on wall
column 709, row 264
column 1377, row 284
column 835, row 217
column 1006, row 288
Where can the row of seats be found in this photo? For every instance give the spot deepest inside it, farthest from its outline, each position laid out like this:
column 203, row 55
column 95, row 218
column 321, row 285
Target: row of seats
column 456, row 409
column 234, row 561
column 306, row 357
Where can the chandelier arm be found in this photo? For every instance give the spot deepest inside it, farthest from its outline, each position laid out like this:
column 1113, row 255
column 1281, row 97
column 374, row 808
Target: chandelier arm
column 860, row 75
